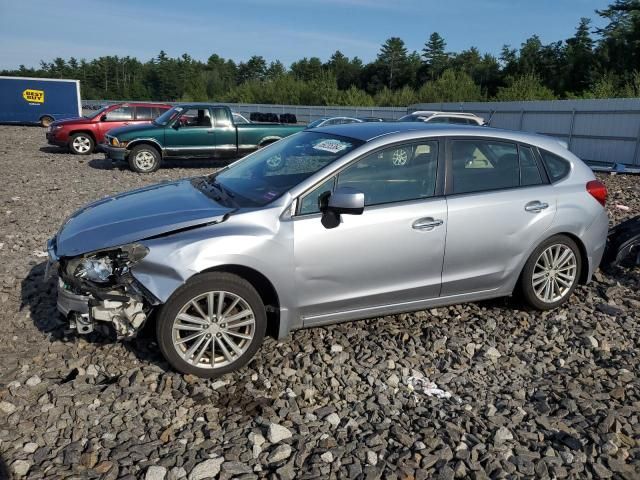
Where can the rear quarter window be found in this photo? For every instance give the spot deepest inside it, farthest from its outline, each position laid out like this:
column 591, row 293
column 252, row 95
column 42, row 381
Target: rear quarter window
column 557, row 167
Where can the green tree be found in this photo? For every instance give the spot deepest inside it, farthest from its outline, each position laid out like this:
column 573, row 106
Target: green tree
column 435, row 57
column 393, row 56
column 525, row 87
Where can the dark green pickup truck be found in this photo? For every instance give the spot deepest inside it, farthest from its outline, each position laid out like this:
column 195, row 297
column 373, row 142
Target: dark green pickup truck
column 190, row 131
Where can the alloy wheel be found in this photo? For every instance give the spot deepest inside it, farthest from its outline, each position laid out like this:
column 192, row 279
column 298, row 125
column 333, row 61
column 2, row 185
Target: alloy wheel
column 145, row 160
column 554, row 273
column 81, row 144
column 213, row 329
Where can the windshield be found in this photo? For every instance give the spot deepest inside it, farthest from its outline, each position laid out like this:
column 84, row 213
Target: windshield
column 263, row 176
column 96, row 113
column 412, row 118
column 167, row 116
column 316, row 123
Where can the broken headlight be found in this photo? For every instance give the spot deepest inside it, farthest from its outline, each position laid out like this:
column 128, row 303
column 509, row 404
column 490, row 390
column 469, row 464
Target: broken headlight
column 103, row 266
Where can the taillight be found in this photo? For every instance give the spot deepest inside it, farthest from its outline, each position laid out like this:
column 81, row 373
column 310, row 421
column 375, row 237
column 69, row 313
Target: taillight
column 598, row 191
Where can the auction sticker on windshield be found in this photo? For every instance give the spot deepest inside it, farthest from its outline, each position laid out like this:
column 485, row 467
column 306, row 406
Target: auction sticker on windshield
column 331, row 145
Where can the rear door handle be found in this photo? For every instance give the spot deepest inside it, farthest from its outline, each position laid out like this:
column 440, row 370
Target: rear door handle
column 427, row 223
column 536, row 206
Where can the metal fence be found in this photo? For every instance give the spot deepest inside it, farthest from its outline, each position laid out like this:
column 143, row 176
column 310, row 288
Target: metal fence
column 303, row 113
column 598, row 131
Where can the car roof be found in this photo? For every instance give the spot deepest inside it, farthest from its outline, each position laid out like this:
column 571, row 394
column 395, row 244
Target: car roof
column 440, row 113
column 140, row 104
column 367, row 131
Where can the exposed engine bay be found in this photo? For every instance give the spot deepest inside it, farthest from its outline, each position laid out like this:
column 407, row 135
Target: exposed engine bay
column 98, row 288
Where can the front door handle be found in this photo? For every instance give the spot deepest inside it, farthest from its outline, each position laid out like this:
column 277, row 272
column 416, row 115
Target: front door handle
column 536, row 206
column 427, row 223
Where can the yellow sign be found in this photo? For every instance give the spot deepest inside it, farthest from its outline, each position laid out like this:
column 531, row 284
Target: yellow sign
column 33, row 96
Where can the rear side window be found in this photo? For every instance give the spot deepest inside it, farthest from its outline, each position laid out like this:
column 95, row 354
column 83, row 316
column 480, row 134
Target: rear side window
column 459, row 121
column 557, row 167
column 529, row 172
column 480, row 165
column 144, row 113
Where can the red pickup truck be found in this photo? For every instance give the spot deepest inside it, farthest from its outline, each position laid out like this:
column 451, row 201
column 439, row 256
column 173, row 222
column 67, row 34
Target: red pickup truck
column 81, row 135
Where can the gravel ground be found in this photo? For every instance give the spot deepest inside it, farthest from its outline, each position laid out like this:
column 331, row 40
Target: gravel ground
column 549, row 395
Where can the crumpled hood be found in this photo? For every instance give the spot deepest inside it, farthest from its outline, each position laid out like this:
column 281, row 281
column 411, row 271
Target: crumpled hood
column 136, row 215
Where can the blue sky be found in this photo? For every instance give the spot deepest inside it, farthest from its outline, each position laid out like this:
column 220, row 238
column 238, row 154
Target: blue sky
column 276, row 29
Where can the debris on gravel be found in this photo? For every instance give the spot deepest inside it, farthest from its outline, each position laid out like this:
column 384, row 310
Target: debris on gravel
column 533, row 394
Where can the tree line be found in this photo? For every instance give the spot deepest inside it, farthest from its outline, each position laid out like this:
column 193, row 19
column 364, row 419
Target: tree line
column 592, row 63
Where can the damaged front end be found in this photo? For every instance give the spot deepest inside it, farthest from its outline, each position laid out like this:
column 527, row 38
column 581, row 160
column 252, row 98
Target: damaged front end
column 98, row 288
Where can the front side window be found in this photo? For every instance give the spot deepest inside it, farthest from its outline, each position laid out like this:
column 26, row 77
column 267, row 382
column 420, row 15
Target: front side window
column 196, row 117
column 557, row 167
column 459, row 120
column 266, row 174
column 120, row 114
column 222, row 118
column 479, row 165
column 394, row 174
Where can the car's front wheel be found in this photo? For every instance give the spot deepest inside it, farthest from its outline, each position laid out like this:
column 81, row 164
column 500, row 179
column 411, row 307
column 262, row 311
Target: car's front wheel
column 144, row 159
column 212, row 325
column 81, row 144
column 551, row 273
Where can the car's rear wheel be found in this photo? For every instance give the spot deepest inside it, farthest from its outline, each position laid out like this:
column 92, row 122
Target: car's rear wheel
column 144, row 159
column 81, row 144
column 46, row 120
column 212, row 325
column 551, row 273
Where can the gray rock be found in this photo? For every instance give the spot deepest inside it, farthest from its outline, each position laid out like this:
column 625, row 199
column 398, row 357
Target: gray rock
column 502, row 435
column 277, row 433
column 327, row 457
column 372, row 458
column 155, row 472
column 207, row 469
column 333, row 419
column 280, row 453
column 33, row 381
column 7, row 408
column 20, row 468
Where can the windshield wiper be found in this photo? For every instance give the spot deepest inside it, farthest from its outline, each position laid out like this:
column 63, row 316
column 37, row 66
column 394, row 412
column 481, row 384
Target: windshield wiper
column 217, row 191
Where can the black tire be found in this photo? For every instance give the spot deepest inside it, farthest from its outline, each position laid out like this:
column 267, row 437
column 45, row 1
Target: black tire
column 526, row 279
column 201, row 284
column 45, row 121
column 81, row 144
column 144, row 159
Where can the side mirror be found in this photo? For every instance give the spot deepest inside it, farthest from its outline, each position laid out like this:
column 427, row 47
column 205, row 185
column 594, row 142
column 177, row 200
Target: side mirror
column 176, row 124
column 103, row 118
column 344, row 201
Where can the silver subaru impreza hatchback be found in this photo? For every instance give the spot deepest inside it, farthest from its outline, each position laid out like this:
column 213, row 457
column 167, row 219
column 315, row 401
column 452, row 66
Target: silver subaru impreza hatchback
column 328, row 225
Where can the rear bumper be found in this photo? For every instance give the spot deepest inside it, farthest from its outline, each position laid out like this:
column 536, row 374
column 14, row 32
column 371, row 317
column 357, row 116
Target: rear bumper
column 595, row 241
column 114, row 153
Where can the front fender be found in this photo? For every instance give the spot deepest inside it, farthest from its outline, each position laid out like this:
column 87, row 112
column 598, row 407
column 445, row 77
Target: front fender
column 255, row 240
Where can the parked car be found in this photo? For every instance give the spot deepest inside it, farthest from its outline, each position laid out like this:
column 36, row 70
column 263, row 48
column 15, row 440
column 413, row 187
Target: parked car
column 326, row 121
column 38, row 100
column 82, row 134
column 190, row 131
column 457, row 118
column 352, row 225
column 238, row 118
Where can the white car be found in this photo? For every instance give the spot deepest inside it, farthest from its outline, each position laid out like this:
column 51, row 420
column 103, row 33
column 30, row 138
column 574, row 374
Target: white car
column 458, row 118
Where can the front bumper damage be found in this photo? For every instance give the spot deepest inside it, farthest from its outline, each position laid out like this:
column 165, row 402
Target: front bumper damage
column 124, row 305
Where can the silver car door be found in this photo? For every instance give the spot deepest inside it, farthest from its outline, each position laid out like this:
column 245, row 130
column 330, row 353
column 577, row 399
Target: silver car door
column 500, row 205
column 391, row 255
